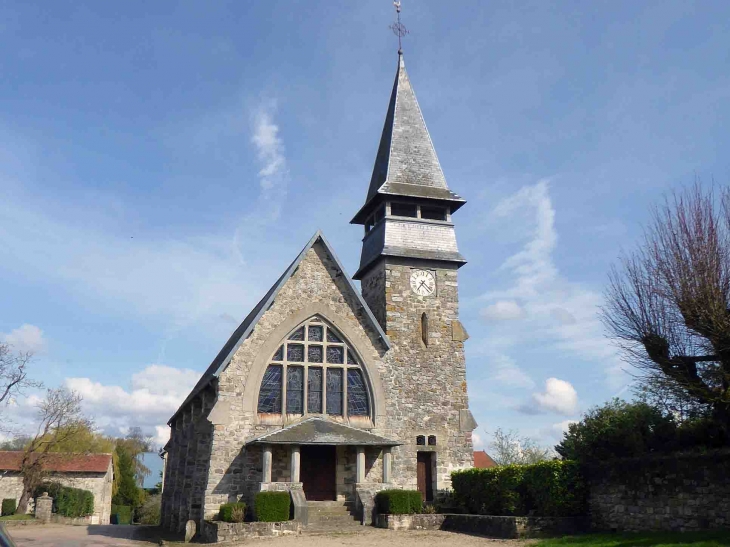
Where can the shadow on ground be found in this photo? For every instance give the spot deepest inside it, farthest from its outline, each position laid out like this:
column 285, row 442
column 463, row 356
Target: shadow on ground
column 146, row 534
column 658, row 539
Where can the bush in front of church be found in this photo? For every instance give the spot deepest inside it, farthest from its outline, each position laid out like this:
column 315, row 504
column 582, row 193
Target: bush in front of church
column 232, row 512
column 272, row 506
column 546, row 489
column 8, row 507
column 399, row 502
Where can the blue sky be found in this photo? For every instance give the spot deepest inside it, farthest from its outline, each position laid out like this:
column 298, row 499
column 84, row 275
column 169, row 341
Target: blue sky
column 161, row 164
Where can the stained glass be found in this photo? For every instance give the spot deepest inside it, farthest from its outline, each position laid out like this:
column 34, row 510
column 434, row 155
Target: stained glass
column 314, row 390
column 334, row 391
column 279, row 355
column 270, row 393
column 314, row 354
column 295, row 390
column 295, row 353
column 351, row 357
column 357, row 394
column 297, row 334
column 315, row 333
column 335, row 354
column 332, row 337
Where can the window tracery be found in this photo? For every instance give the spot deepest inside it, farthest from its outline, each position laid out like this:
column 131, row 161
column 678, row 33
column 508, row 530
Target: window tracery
column 314, row 371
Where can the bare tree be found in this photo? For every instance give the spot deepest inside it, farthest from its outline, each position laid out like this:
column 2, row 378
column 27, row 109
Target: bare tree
column 509, row 448
column 60, row 420
column 14, row 372
column 668, row 303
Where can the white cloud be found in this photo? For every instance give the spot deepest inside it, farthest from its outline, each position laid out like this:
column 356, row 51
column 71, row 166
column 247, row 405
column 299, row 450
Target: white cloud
column 25, row 338
column 557, row 430
column 274, row 174
column 156, row 393
column 503, row 310
column 559, row 396
column 477, row 441
column 556, row 313
column 506, row 372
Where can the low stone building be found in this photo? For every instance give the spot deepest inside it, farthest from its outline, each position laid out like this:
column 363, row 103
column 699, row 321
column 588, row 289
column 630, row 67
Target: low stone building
column 93, row 472
column 329, row 391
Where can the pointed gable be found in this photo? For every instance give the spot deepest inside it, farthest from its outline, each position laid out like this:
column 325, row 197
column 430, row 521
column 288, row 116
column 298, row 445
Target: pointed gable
column 243, row 331
column 406, row 163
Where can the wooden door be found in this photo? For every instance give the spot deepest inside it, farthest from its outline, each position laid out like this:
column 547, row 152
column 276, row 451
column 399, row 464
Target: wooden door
column 424, row 475
column 318, row 472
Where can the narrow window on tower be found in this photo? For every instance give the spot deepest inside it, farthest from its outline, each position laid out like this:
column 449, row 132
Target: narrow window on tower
column 424, row 329
column 403, row 210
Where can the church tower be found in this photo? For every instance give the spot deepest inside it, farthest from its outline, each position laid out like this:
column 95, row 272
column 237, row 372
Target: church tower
column 409, row 278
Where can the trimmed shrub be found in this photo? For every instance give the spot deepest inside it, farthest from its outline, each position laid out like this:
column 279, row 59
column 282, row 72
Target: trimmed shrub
column 149, row 513
column 232, row 512
column 272, row 506
column 553, row 488
column 399, row 502
column 9, row 506
column 67, row 501
column 121, row 514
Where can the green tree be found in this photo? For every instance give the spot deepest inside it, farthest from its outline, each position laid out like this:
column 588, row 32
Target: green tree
column 128, row 493
column 618, row 429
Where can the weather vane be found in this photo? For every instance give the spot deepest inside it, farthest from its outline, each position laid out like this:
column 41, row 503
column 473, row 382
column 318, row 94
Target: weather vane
column 398, row 28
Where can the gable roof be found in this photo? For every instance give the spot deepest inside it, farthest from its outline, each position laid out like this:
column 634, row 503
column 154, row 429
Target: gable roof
column 60, row 463
column 246, row 327
column 321, row 431
column 406, row 163
column 482, row 460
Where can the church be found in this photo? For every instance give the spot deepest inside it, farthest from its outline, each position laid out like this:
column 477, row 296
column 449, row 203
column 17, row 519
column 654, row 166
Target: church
column 334, row 393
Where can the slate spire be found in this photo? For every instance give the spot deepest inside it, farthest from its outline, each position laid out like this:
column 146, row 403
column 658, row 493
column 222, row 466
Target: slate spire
column 408, row 208
column 406, row 163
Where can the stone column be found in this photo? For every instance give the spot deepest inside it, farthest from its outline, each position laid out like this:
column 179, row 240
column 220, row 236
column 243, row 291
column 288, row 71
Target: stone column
column 295, row 460
column 267, row 463
column 43, row 508
column 387, row 464
column 360, row 466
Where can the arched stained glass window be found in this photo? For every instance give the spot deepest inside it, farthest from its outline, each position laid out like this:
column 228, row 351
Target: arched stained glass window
column 314, row 371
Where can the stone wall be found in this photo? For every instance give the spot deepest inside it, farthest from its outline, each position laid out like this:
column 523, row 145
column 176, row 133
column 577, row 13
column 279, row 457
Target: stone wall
column 680, row 492
column 219, row 532
column 99, row 484
column 486, row 525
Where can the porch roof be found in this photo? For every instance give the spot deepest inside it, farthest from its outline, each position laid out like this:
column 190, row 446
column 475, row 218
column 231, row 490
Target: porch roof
column 321, row 431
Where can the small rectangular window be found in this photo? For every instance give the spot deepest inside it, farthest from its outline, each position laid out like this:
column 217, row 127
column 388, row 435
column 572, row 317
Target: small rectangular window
column 433, row 213
column 403, row 210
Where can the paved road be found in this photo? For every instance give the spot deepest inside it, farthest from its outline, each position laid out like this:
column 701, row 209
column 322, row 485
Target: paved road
column 74, row 536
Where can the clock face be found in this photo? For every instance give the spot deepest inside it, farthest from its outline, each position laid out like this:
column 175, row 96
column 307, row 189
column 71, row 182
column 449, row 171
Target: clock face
column 423, row 282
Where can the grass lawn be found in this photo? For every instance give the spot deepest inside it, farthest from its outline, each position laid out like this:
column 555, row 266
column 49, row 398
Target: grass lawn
column 17, row 517
column 658, row 539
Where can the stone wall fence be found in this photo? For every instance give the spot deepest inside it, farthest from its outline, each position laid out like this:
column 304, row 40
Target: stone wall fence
column 675, row 492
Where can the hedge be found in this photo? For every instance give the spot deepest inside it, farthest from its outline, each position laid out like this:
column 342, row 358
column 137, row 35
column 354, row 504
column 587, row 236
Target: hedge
column 272, row 506
column 67, row 501
column 232, row 512
column 9, row 506
column 121, row 514
column 546, row 489
column 399, row 502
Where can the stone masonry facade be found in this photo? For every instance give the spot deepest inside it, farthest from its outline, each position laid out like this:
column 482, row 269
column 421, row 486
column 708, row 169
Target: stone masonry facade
column 426, row 385
column 99, row 484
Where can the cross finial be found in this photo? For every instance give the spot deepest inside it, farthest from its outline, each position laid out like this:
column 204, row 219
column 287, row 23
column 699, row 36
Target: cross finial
column 398, row 28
